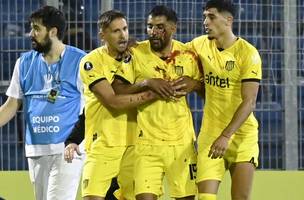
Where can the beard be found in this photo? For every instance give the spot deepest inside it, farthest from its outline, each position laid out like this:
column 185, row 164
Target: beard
column 158, row 44
column 43, row 47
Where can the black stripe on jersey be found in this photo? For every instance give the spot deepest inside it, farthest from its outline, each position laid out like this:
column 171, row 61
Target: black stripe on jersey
column 122, row 79
column 95, row 82
column 251, row 80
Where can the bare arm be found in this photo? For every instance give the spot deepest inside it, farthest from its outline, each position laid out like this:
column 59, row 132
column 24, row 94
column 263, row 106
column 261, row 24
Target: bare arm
column 105, row 93
column 8, row 110
column 249, row 93
column 160, row 86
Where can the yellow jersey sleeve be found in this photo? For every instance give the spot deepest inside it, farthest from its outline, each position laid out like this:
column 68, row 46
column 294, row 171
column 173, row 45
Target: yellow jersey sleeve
column 252, row 66
column 91, row 69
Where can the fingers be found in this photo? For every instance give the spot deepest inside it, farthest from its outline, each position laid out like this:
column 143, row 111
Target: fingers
column 162, row 88
column 68, row 156
column 177, row 81
column 169, row 90
column 179, row 86
column 69, row 152
column 184, row 84
column 178, row 94
column 165, row 92
column 180, row 90
column 216, row 153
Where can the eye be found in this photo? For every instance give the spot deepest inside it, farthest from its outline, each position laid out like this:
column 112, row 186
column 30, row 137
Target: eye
column 160, row 27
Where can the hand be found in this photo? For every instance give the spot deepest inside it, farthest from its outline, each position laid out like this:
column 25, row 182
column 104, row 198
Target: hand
column 160, row 86
column 69, row 152
column 184, row 85
column 219, row 147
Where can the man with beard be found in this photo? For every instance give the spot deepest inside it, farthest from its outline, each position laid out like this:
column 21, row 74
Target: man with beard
column 110, row 119
column 46, row 80
column 228, row 139
column 165, row 133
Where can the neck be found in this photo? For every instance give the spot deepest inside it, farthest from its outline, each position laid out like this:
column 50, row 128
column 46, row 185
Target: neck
column 166, row 51
column 55, row 53
column 111, row 52
column 226, row 40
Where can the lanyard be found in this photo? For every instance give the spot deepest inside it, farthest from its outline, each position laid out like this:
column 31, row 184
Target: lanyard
column 54, row 92
column 54, row 71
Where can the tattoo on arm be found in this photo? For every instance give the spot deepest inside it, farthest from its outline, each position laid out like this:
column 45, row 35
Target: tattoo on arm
column 139, row 97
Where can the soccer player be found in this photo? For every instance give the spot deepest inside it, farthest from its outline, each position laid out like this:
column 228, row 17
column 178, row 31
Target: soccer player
column 165, row 132
column 228, row 139
column 46, row 80
column 110, row 121
column 72, row 148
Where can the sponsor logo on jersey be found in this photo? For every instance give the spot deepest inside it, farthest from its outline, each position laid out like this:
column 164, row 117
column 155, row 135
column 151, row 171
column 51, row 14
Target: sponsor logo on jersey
column 215, row 80
column 254, row 72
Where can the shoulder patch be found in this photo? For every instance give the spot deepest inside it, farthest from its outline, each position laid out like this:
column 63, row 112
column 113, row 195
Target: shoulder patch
column 88, row 66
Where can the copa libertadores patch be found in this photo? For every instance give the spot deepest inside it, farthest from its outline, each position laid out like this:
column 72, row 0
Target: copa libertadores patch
column 88, row 66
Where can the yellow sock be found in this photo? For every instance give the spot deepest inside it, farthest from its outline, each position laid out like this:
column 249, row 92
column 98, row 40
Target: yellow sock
column 206, row 196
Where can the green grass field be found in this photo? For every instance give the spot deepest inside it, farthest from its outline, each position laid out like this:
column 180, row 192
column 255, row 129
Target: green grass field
column 268, row 185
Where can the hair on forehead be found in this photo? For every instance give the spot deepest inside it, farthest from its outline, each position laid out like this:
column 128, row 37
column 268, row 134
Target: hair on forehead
column 105, row 19
column 161, row 10
column 222, row 6
column 50, row 17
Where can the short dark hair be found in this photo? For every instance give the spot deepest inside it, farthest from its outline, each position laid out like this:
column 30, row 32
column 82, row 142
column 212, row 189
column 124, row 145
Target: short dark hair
column 161, row 10
column 105, row 19
column 222, row 5
column 50, row 17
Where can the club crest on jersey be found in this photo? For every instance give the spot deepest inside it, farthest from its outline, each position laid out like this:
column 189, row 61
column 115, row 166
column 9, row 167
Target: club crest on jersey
column 229, row 65
column 88, row 66
column 179, row 70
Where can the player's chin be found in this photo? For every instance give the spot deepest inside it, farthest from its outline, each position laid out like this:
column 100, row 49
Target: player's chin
column 211, row 37
column 121, row 48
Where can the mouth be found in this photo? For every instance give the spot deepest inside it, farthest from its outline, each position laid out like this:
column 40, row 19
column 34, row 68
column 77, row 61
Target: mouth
column 122, row 44
column 154, row 40
column 33, row 41
column 207, row 30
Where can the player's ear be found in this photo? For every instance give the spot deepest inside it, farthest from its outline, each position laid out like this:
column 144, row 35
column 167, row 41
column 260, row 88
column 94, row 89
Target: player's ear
column 230, row 20
column 53, row 32
column 173, row 27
